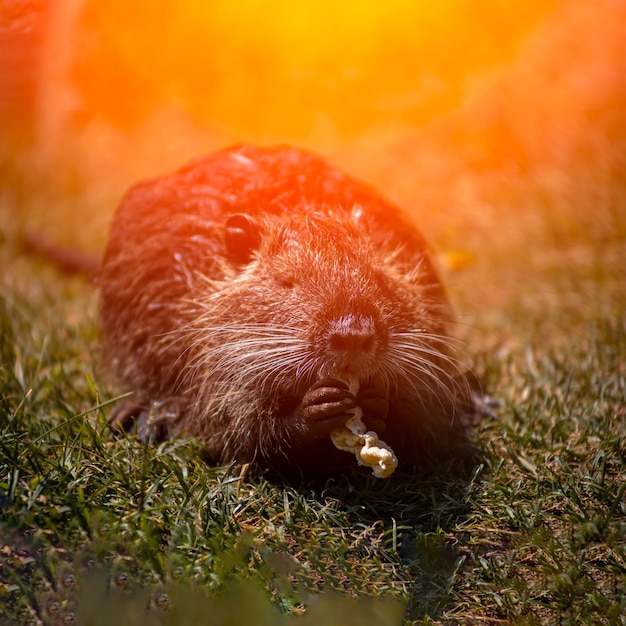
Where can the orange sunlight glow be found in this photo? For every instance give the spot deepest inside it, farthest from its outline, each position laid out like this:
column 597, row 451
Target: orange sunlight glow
column 290, row 67
column 441, row 104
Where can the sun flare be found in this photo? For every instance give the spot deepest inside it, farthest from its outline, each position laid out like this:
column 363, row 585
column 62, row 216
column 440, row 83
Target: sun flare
column 254, row 65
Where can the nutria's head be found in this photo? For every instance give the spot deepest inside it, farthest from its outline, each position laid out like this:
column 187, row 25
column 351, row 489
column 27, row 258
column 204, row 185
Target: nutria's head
column 318, row 295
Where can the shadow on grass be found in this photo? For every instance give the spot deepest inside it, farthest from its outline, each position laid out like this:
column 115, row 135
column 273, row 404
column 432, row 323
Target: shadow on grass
column 421, row 514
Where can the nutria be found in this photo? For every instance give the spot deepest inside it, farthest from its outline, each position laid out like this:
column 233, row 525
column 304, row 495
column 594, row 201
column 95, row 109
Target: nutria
column 241, row 292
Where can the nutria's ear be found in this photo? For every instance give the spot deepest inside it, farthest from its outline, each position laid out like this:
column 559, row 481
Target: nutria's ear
column 241, row 237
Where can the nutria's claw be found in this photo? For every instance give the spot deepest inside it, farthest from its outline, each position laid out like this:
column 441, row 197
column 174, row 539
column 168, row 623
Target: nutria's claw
column 132, row 417
column 127, row 417
column 325, row 406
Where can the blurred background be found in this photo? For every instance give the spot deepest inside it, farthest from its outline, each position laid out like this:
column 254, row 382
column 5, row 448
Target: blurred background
column 497, row 125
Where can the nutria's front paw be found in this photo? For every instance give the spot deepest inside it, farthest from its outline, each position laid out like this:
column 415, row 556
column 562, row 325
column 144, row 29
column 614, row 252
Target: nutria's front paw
column 325, row 407
column 375, row 404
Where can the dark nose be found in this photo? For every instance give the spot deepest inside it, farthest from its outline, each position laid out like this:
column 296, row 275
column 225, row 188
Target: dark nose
column 352, row 333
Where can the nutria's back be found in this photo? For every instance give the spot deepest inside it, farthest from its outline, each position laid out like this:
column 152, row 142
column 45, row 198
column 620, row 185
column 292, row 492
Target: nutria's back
column 240, row 292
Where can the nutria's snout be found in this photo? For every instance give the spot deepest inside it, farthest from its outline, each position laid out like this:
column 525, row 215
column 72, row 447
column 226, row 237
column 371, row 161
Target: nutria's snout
column 351, row 347
column 353, row 335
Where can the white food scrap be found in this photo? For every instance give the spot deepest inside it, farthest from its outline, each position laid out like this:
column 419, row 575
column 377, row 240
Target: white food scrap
column 366, row 446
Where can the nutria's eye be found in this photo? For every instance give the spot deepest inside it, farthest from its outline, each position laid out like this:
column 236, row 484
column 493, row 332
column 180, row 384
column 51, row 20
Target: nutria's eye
column 241, row 237
column 286, row 282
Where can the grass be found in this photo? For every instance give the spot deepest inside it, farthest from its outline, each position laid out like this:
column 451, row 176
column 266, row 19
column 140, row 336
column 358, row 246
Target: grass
column 98, row 530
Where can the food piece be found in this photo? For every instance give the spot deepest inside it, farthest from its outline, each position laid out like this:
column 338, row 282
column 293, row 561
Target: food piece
column 366, row 446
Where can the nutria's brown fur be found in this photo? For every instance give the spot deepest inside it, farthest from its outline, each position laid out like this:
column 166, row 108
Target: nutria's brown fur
column 239, row 293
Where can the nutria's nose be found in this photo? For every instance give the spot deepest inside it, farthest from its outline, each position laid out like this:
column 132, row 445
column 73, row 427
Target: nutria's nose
column 352, row 333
